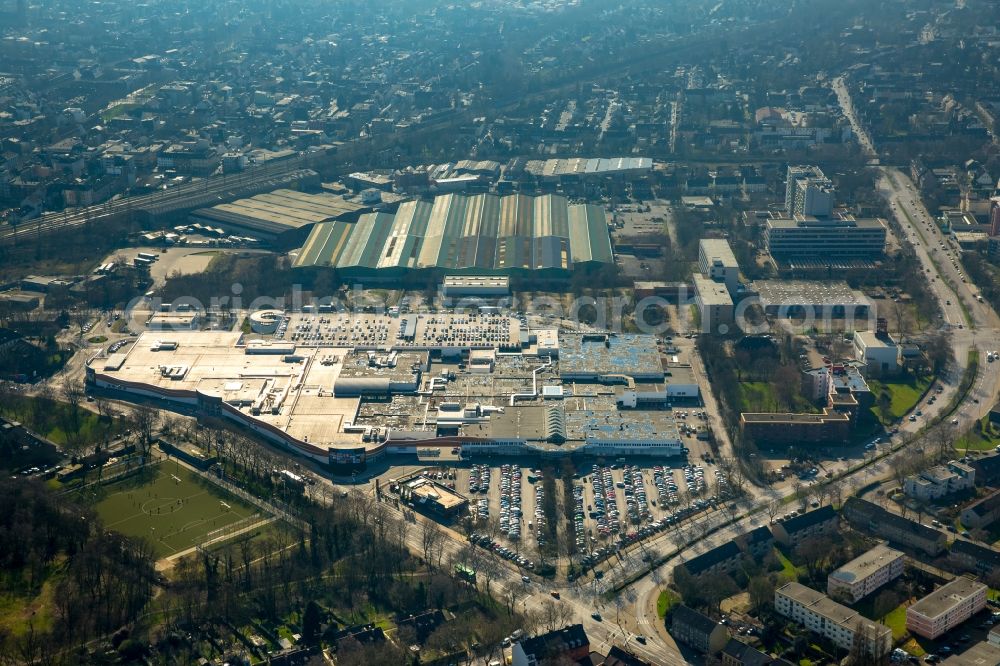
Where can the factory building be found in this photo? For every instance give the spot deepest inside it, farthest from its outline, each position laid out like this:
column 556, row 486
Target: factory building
column 483, row 234
column 485, row 286
column 282, row 218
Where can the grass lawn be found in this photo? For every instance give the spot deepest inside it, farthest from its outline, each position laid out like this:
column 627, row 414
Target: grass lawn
column 269, row 533
column 56, row 420
column 788, row 569
column 760, row 397
column 17, row 611
column 913, row 647
column 896, row 620
column 987, row 440
column 117, row 110
column 173, row 514
column 904, row 395
column 665, row 602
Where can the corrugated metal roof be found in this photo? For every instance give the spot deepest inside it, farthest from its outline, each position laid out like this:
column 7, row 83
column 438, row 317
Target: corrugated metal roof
column 482, row 232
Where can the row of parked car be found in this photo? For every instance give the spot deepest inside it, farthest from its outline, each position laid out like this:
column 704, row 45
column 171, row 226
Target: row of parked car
column 578, row 527
column 486, row 542
column 479, row 479
column 605, row 502
column 636, row 502
column 510, row 501
column 697, row 506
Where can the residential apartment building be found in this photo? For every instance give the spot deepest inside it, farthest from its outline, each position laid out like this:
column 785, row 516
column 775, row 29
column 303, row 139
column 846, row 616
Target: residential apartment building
column 726, row 558
column 982, row 513
column 723, row 559
column 980, row 654
column 974, row 558
column 757, row 543
column 818, row 522
column 873, row 519
column 716, row 261
column 569, row 643
column 946, row 607
column 697, row 630
column 737, row 653
column 865, row 574
column 987, row 470
column 825, row 617
column 940, row 480
column 824, row 239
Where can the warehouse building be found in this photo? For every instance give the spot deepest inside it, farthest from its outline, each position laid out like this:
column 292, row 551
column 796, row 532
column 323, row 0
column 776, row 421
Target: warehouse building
column 483, row 234
column 581, row 168
column 282, row 218
column 485, row 286
column 811, row 298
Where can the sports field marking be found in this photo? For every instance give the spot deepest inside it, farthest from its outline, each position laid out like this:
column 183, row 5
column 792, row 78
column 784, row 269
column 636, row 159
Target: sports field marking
column 173, row 508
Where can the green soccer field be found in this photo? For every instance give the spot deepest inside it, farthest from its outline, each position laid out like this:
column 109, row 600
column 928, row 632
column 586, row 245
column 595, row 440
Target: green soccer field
column 171, row 507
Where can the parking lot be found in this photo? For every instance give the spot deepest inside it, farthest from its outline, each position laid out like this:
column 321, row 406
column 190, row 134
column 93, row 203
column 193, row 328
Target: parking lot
column 612, row 503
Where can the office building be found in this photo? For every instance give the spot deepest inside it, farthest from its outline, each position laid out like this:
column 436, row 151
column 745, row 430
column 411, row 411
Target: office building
column 865, row 574
column 877, row 351
column 716, row 261
column 808, row 192
column 824, row 239
column 946, row 607
column 715, row 305
column 827, row 427
column 825, row 617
